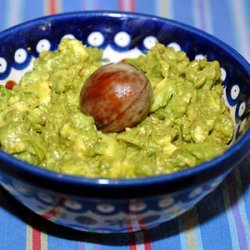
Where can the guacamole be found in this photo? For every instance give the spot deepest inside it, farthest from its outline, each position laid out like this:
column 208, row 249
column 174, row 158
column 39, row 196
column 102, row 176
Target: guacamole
column 189, row 123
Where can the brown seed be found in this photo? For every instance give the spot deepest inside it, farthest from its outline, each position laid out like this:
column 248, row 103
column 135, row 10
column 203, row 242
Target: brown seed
column 117, row 96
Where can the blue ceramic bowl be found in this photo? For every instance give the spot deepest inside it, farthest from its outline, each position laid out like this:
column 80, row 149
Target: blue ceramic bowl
column 117, row 206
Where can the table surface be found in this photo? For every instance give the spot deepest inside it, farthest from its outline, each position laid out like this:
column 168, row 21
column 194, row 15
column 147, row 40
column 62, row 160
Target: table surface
column 219, row 221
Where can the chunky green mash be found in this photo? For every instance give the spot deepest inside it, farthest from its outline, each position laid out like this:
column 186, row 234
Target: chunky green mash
column 40, row 119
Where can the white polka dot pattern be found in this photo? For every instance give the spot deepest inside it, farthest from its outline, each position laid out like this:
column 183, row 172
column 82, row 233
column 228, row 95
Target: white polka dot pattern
column 137, row 206
column 43, row 45
column 223, row 74
column 3, row 65
column 74, row 205
column 149, row 42
column 96, row 39
column 105, row 208
column 235, row 91
column 242, row 109
column 166, row 202
column 45, row 197
column 20, row 188
column 199, row 57
column 195, row 192
column 175, row 46
column 68, row 36
column 122, row 39
column 20, row 56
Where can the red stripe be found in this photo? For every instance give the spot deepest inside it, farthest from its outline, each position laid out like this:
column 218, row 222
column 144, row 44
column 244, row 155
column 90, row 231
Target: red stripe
column 120, row 5
column 145, row 235
column 52, row 7
column 132, row 238
column 132, row 241
column 36, row 239
column 54, row 211
column 147, row 243
column 132, row 5
column 145, row 232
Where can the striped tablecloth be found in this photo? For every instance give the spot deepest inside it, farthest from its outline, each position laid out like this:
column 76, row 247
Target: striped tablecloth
column 221, row 221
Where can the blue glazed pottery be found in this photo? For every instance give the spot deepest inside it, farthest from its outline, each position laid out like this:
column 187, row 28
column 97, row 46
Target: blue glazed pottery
column 119, row 205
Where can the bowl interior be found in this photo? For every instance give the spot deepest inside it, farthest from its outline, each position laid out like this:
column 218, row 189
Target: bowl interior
column 123, row 35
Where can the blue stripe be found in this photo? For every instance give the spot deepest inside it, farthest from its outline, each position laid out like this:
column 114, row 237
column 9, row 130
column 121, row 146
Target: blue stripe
column 112, row 4
column 62, row 241
column 13, row 230
column 197, row 230
column 112, row 246
column 21, row 11
column 89, row 4
column 80, row 240
column 37, row 8
column 223, row 28
column 107, row 242
column 146, row 6
column 182, row 11
column 212, row 217
column 246, row 14
column 245, row 180
column 169, row 231
column 3, row 14
column 67, row 5
column 7, row 17
column 246, row 4
column 183, row 235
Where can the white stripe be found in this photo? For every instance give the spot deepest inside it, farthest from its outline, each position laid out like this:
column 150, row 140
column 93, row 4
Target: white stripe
column 242, row 207
column 170, row 9
column 183, row 234
column 138, row 235
column 230, row 218
column 197, row 229
column 139, row 238
column 13, row 8
column 208, row 17
column 196, row 15
column 44, row 241
column 194, row 231
column 28, row 238
column 160, row 8
column 241, row 27
column 126, row 5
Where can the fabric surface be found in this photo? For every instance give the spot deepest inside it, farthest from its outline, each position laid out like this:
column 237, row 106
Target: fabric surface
column 221, row 220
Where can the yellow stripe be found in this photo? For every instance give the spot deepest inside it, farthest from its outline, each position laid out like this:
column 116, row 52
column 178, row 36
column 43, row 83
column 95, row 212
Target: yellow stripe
column 28, row 238
column 58, row 6
column 163, row 8
column 44, row 241
column 187, row 225
column 45, row 7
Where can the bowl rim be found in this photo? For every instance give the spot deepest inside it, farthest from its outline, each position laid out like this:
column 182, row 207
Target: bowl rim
column 21, row 166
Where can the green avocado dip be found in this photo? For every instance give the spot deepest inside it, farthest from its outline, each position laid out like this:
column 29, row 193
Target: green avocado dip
column 189, row 123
